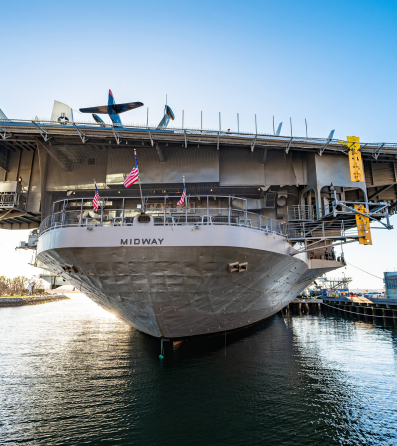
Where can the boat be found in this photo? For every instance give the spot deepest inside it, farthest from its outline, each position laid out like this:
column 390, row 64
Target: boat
column 259, row 214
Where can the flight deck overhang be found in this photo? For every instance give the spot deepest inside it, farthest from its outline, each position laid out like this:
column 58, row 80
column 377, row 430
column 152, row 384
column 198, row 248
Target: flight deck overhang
column 13, row 132
column 54, row 161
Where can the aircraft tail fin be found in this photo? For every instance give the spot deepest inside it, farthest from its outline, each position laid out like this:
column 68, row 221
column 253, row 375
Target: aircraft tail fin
column 61, row 113
column 279, row 129
column 2, row 115
column 111, row 100
column 168, row 115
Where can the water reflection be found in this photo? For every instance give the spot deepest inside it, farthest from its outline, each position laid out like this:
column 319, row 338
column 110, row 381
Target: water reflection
column 356, row 369
column 72, row 374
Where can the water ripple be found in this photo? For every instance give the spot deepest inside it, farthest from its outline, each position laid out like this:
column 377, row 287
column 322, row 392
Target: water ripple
column 71, row 374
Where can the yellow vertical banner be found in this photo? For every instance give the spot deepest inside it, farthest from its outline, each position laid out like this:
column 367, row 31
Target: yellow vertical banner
column 363, row 226
column 355, row 160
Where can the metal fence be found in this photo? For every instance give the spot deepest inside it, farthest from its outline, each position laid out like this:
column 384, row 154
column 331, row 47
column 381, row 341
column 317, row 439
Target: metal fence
column 12, row 200
column 92, row 130
column 199, row 210
column 301, row 213
column 321, row 230
column 166, row 215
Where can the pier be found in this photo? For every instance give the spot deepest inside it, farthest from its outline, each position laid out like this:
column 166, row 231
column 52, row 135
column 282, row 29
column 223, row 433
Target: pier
column 13, row 301
column 362, row 306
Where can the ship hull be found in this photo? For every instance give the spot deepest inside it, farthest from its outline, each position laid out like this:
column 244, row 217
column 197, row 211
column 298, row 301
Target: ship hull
column 174, row 290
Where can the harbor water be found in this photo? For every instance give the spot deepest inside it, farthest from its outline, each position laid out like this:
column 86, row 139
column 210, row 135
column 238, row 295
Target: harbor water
column 72, row 374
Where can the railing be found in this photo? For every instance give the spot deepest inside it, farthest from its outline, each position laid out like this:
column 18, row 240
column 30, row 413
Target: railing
column 130, row 131
column 196, row 211
column 12, row 200
column 301, row 213
column 208, row 210
column 321, row 230
column 338, row 207
column 307, row 213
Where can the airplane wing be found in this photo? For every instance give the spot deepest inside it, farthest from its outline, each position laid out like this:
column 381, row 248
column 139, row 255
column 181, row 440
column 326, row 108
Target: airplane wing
column 121, row 108
column 117, row 108
column 101, row 109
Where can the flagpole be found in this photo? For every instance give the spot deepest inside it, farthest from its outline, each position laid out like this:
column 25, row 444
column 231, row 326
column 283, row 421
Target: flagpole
column 96, row 211
column 184, row 188
column 185, row 199
column 140, row 188
column 95, row 189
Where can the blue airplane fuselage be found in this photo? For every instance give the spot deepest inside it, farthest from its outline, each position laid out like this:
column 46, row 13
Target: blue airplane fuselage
column 113, row 116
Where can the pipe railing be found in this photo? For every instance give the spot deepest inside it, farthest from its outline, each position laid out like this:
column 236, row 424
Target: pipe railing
column 12, row 200
column 301, row 213
column 100, row 129
column 197, row 210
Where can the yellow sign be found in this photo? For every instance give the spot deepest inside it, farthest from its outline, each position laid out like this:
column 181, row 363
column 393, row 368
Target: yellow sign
column 355, row 161
column 363, row 226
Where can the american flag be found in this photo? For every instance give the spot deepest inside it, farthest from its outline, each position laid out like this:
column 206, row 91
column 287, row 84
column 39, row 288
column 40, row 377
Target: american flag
column 181, row 201
column 133, row 176
column 95, row 200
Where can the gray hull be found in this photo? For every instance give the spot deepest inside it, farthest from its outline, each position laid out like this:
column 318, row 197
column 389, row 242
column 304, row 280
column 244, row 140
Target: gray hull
column 176, row 291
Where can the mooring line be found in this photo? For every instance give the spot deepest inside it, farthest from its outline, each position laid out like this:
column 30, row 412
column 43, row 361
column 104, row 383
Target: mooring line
column 363, row 270
column 361, row 314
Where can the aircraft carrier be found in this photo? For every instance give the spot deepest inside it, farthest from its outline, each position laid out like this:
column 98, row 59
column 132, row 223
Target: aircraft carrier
column 260, row 217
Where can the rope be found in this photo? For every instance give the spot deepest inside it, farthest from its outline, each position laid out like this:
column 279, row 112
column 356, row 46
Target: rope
column 381, row 278
column 361, row 314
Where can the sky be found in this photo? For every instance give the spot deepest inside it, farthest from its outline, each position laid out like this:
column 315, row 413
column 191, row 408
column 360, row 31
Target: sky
column 331, row 63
